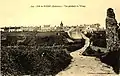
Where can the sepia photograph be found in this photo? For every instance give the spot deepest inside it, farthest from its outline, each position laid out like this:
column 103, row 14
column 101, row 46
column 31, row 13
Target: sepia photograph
column 60, row 38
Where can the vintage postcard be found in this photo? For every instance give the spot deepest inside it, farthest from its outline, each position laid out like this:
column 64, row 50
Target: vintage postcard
column 60, row 38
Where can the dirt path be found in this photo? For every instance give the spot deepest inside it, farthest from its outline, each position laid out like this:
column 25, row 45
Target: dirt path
column 85, row 65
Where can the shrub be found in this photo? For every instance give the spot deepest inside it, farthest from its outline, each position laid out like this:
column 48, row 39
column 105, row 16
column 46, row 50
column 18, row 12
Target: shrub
column 34, row 61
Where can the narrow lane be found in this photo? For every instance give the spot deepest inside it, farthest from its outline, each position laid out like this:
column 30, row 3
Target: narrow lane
column 85, row 65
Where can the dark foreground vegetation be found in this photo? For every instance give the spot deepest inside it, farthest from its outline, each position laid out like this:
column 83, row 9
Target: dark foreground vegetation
column 32, row 53
column 33, row 61
column 112, row 59
column 99, row 39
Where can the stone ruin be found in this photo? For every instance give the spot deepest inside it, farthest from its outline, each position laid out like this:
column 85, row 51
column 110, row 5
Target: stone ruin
column 112, row 31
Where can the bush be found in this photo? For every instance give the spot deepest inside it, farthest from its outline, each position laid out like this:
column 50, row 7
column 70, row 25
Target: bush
column 99, row 39
column 33, row 61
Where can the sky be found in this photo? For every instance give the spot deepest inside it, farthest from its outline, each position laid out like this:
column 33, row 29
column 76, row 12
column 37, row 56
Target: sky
column 20, row 12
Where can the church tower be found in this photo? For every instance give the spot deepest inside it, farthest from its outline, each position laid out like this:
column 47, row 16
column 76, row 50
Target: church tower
column 61, row 24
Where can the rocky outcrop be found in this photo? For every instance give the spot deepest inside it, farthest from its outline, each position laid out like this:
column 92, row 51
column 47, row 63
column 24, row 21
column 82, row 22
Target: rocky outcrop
column 111, row 31
column 113, row 56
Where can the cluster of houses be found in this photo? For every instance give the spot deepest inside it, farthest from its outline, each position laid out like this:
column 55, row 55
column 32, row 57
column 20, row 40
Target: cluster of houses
column 45, row 28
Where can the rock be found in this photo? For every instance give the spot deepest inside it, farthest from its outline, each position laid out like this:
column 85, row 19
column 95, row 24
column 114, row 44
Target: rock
column 111, row 30
column 113, row 56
